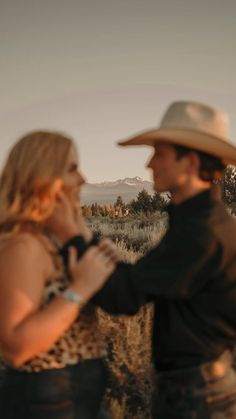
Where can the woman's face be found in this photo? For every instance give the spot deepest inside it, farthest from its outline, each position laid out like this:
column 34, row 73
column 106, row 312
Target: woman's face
column 72, row 178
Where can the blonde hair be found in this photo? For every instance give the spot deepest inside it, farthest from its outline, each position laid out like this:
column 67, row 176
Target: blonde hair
column 31, row 177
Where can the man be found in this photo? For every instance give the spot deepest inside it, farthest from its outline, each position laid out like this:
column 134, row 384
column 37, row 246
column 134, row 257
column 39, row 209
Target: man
column 191, row 275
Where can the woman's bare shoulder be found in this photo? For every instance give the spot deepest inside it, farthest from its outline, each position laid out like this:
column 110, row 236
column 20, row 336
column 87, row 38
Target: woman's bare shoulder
column 23, row 246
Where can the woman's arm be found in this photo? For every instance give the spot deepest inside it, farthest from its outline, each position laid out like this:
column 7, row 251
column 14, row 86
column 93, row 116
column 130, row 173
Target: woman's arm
column 25, row 328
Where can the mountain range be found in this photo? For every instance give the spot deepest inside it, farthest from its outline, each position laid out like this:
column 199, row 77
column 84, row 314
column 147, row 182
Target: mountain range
column 107, row 192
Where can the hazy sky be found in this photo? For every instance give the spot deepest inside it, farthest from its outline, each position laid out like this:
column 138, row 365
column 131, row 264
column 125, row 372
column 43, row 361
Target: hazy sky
column 101, row 70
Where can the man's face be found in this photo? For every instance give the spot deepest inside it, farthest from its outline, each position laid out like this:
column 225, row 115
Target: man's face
column 169, row 173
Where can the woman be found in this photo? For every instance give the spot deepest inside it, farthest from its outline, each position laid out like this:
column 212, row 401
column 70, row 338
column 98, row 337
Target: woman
column 49, row 342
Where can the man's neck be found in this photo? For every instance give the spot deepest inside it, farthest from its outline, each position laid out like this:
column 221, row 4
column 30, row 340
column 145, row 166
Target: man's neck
column 180, row 195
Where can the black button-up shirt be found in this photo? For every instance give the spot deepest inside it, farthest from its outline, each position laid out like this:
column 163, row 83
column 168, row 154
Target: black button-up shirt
column 191, row 278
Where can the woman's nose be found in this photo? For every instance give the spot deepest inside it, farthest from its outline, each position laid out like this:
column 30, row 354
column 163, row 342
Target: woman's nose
column 81, row 179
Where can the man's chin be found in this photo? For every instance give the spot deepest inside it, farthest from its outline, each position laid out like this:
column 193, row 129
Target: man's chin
column 158, row 188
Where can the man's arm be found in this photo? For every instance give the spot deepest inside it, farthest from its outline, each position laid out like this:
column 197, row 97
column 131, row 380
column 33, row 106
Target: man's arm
column 176, row 269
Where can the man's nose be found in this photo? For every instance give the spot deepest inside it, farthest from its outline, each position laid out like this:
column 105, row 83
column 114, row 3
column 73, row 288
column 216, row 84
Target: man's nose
column 149, row 164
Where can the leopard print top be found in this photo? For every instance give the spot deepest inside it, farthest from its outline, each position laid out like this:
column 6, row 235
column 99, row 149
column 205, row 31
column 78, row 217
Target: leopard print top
column 81, row 341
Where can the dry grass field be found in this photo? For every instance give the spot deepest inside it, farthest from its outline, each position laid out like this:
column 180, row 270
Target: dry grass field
column 129, row 338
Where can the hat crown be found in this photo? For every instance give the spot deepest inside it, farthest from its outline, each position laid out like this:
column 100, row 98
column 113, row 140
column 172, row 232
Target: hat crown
column 196, row 116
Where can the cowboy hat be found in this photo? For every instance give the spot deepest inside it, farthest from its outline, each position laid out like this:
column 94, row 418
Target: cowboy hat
column 192, row 125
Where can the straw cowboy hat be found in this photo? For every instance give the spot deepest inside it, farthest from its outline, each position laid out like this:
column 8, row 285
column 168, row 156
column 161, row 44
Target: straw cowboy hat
column 192, row 125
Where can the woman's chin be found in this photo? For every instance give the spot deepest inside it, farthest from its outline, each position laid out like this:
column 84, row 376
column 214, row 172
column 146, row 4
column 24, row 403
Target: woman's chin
column 77, row 203
column 75, row 200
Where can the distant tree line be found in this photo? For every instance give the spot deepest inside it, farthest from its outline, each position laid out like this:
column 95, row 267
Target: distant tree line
column 144, row 203
column 147, row 203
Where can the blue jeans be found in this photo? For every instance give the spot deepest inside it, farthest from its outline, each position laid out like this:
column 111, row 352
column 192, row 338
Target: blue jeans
column 204, row 392
column 74, row 392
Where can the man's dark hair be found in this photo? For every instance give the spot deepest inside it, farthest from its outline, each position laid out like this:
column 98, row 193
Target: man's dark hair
column 211, row 168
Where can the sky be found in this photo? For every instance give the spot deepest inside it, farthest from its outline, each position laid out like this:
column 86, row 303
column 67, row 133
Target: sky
column 102, row 70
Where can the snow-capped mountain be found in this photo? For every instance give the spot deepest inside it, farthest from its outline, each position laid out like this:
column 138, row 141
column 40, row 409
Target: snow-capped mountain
column 107, row 192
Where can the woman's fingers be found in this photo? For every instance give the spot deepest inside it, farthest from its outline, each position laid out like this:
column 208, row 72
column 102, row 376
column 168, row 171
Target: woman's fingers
column 108, row 247
column 62, row 221
column 72, row 257
column 103, row 261
column 103, row 257
column 92, row 270
column 95, row 255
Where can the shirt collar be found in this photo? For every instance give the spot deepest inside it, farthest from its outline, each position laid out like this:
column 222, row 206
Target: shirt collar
column 196, row 205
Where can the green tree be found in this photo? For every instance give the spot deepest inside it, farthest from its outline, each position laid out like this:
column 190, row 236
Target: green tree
column 119, row 204
column 133, row 206
column 228, row 184
column 143, row 202
column 159, row 203
column 95, row 210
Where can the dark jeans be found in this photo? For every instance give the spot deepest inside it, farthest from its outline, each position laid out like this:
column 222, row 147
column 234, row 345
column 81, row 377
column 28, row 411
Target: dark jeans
column 74, row 392
column 204, row 392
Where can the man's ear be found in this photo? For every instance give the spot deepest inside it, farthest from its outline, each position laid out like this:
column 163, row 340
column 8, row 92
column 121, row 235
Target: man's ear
column 193, row 162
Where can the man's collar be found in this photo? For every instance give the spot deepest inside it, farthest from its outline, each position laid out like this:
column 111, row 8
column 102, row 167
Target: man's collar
column 195, row 205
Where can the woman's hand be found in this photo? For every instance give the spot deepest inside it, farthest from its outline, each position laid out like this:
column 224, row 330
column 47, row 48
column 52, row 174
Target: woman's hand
column 110, row 250
column 91, row 271
column 83, row 226
column 67, row 221
column 62, row 221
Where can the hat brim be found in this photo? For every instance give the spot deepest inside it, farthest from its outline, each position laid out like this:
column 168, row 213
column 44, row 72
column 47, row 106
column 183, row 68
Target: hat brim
column 198, row 140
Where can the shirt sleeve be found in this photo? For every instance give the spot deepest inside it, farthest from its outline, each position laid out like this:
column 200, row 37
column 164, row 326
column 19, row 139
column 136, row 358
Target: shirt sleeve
column 178, row 268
